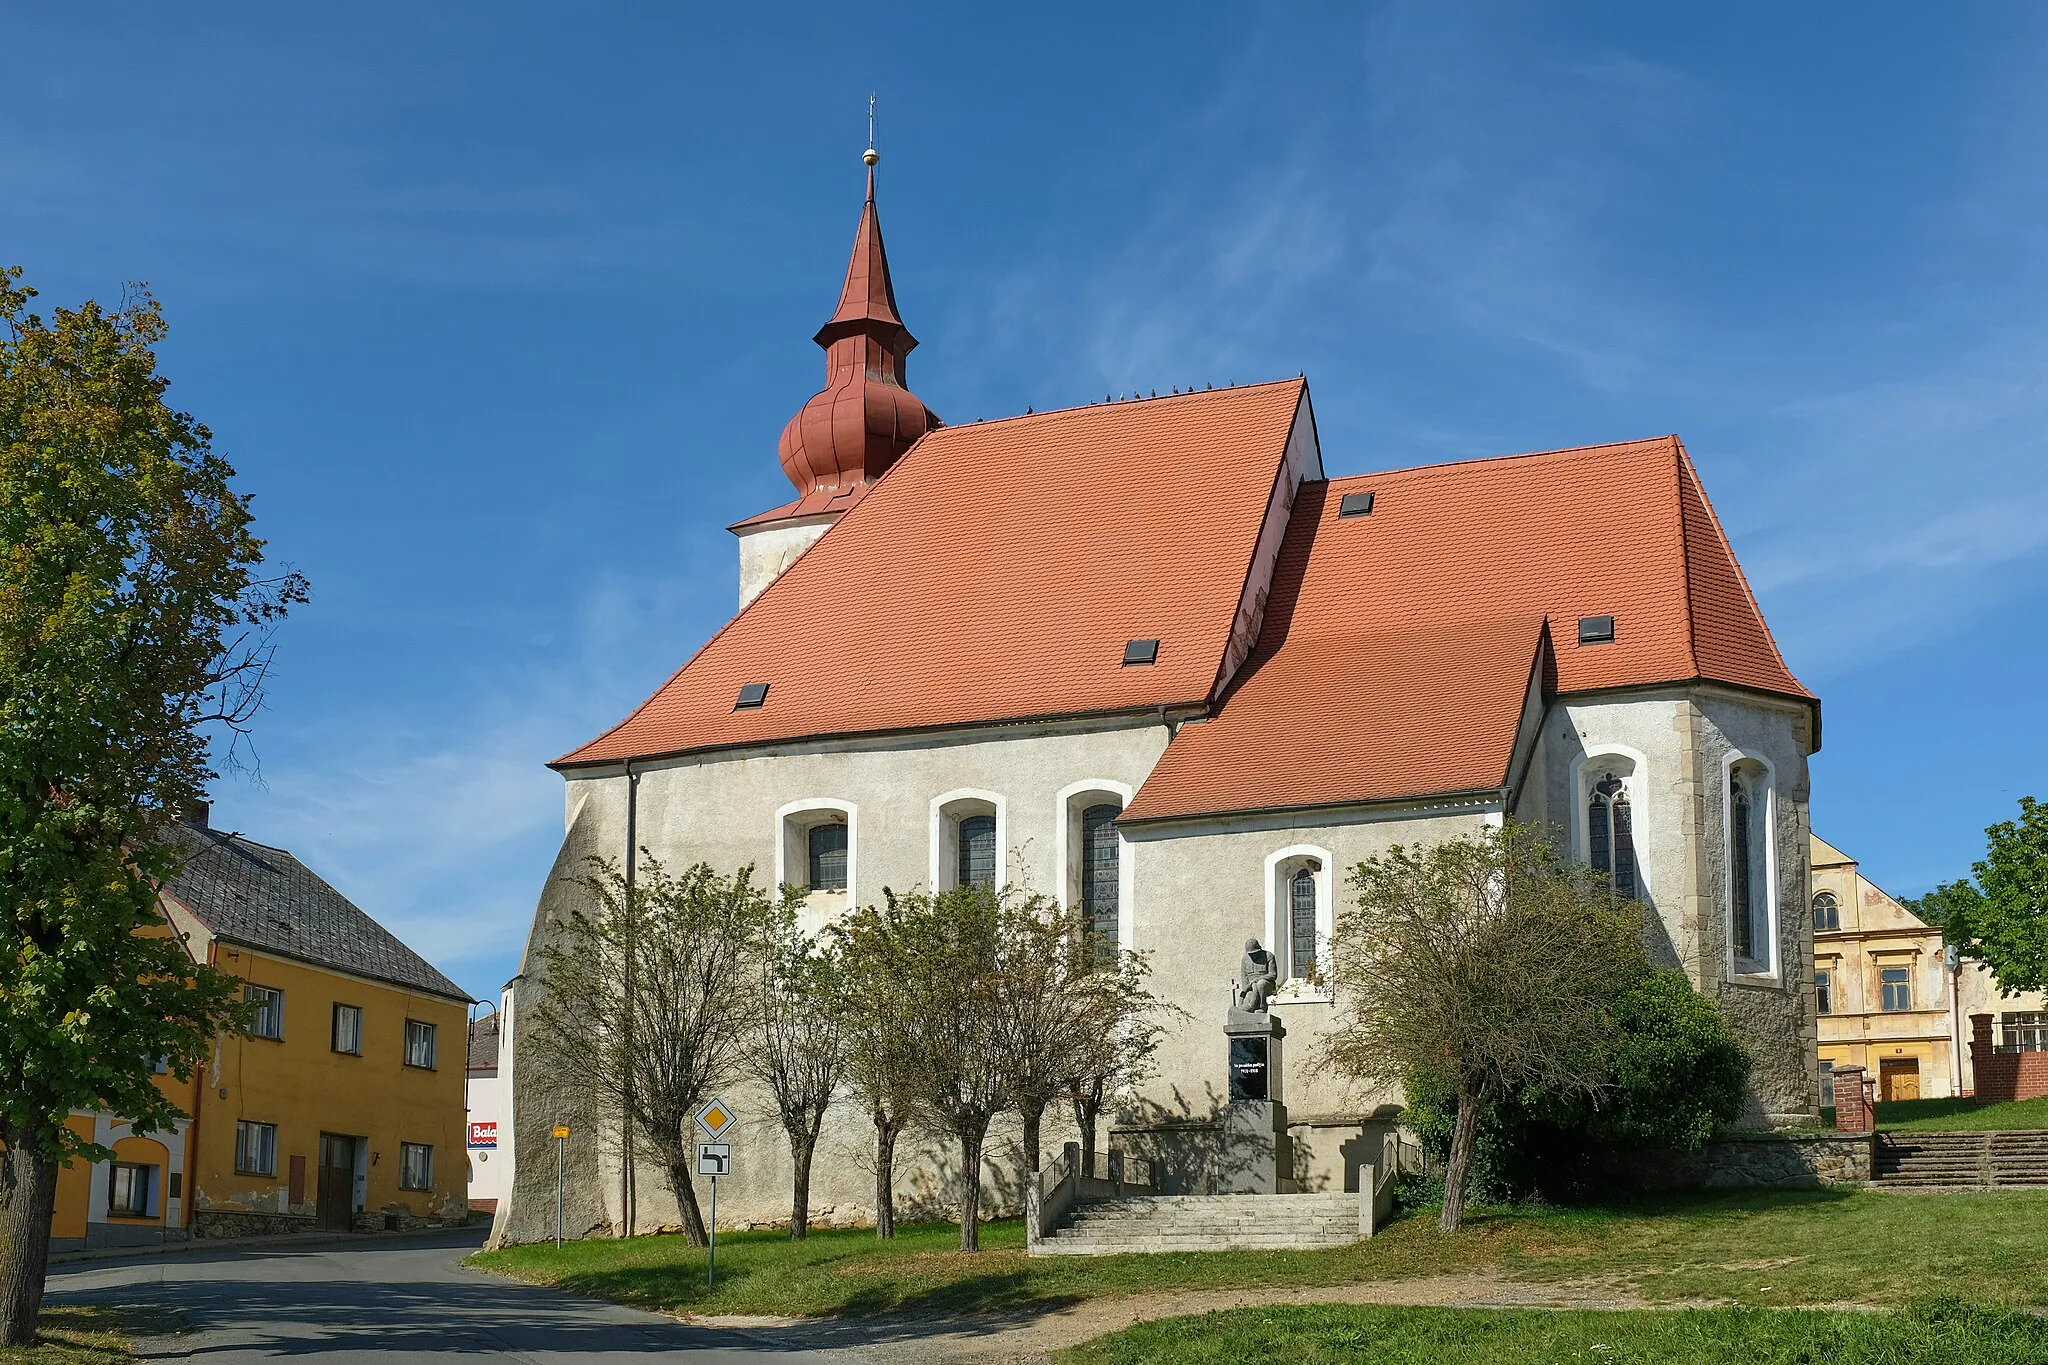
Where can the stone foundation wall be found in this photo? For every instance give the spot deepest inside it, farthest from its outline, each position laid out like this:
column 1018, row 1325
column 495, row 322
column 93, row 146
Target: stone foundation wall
column 1765, row 1161
column 241, row 1223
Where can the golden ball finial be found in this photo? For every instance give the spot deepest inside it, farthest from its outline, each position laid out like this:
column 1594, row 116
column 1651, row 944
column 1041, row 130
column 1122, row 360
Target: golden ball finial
column 870, row 156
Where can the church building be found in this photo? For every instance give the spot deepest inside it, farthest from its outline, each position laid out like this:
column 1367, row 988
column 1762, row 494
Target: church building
column 1152, row 658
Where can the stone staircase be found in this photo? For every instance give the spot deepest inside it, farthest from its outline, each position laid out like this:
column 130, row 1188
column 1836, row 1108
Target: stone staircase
column 1948, row 1161
column 1208, row 1222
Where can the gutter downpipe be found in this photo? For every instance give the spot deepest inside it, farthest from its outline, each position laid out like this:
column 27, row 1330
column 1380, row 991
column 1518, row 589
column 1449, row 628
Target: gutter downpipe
column 628, row 1186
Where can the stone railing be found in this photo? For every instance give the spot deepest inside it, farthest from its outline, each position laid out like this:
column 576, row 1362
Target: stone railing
column 1375, row 1196
column 1060, row 1184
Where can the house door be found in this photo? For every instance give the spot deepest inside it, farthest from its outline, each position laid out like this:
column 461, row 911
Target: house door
column 1898, row 1078
column 337, row 1183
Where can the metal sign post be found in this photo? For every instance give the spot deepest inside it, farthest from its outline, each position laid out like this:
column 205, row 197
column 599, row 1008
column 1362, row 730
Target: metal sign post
column 561, row 1140
column 714, row 1159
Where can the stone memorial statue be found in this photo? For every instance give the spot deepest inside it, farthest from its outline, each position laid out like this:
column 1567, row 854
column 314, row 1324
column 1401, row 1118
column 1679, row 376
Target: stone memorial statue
column 1258, row 976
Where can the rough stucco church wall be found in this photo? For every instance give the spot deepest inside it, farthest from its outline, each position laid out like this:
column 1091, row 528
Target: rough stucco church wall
column 723, row 811
column 1201, row 893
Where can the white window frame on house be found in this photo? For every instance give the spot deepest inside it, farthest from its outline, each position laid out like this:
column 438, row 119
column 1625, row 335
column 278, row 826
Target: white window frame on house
column 793, row 825
column 948, row 810
column 255, row 1148
column 422, row 1042
column 410, row 1154
column 269, row 1002
column 354, row 1037
column 1280, row 867
column 1588, row 770
column 1764, row 814
column 1068, row 806
column 140, row 1178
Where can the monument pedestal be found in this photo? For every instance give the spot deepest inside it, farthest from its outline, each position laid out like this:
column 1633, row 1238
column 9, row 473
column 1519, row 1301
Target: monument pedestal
column 1256, row 1157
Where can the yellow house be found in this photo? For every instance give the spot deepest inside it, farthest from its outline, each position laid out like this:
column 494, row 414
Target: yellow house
column 1887, row 1000
column 341, row 1108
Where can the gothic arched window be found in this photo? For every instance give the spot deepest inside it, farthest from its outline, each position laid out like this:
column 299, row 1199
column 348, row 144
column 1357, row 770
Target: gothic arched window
column 978, row 851
column 1827, row 914
column 827, row 850
column 1099, row 875
column 1610, row 834
column 1752, row 908
column 1301, row 923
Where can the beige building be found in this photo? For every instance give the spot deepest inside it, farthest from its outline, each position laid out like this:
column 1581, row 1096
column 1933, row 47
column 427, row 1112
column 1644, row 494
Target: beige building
column 1887, row 998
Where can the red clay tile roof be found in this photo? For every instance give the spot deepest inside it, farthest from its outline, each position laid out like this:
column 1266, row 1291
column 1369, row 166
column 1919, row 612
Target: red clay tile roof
column 817, row 502
column 1398, row 646
column 995, row 573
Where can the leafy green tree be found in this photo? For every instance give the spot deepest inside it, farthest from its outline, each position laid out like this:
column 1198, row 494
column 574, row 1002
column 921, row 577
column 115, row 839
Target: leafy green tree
column 880, row 1043
column 802, row 1054
column 2001, row 918
column 1490, row 963
column 134, row 628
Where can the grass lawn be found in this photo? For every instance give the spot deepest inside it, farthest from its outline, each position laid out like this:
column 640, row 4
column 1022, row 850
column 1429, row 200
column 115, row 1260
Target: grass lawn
column 86, row 1335
column 1960, row 1116
column 1776, row 1249
column 1941, row 1332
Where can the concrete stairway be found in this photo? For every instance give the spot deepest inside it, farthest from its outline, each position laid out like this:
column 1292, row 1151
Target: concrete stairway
column 1208, row 1222
column 2014, row 1160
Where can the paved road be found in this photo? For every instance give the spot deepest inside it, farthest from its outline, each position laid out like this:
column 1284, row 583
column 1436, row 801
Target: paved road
column 404, row 1302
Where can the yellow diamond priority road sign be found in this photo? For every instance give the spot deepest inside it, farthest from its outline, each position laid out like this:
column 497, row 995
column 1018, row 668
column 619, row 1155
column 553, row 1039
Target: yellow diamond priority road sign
column 714, row 1118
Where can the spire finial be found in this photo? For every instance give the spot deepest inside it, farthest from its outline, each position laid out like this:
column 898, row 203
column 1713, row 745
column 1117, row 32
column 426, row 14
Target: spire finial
column 871, row 156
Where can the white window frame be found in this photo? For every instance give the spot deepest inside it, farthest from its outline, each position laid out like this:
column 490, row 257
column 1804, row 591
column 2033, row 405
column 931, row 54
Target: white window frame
column 1587, row 770
column 432, row 1034
column 948, row 809
column 334, row 1030
column 405, row 1151
column 268, row 1133
column 1773, row 968
column 143, row 1178
column 1280, row 868
column 793, row 824
column 1067, row 806
column 273, row 1007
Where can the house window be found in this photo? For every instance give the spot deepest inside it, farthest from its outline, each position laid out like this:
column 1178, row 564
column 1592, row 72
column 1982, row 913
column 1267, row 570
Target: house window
column 1824, row 992
column 267, row 1021
column 415, row 1166
column 1827, row 913
column 1750, row 902
column 826, row 846
column 1610, row 834
column 1100, row 870
column 1895, row 984
column 348, row 1029
column 977, row 862
column 129, row 1190
column 419, row 1044
column 1827, row 1085
column 2025, row 1032
column 1301, row 923
column 255, row 1148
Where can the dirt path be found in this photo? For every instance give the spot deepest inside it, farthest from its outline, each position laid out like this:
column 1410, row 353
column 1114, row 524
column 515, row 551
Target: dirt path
column 1034, row 1336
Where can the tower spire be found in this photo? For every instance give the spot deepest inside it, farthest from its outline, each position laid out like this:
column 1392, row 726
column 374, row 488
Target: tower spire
column 865, row 417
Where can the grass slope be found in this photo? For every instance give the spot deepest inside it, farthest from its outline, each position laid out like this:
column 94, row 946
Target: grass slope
column 1936, row 1334
column 1757, row 1249
column 1961, row 1116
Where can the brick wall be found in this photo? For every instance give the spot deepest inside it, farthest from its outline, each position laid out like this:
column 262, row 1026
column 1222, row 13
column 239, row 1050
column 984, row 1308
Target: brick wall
column 2004, row 1075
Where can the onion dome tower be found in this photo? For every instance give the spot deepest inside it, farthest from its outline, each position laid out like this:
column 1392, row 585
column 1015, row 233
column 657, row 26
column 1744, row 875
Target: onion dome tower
column 849, row 432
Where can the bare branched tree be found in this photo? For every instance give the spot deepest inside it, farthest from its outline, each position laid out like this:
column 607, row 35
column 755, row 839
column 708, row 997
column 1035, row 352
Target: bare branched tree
column 1486, row 963
column 943, row 952
column 801, row 1053
column 653, row 1000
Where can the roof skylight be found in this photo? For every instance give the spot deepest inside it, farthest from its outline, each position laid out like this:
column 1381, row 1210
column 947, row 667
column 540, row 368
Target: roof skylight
column 1355, row 505
column 751, row 697
column 1141, row 652
column 1596, row 630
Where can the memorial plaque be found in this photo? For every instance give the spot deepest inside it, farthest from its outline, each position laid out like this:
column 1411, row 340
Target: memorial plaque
column 1248, row 1058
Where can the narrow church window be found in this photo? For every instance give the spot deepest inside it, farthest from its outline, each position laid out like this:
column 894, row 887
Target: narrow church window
column 828, row 857
column 978, row 851
column 1739, row 870
column 1824, row 992
column 1610, row 826
column 1301, row 911
column 1827, row 914
column 1099, row 874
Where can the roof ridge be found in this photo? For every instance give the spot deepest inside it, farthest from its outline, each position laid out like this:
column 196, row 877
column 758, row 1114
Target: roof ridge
column 1558, row 453
column 1092, row 405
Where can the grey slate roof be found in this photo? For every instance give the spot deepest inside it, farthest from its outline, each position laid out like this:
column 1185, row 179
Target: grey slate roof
column 263, row 897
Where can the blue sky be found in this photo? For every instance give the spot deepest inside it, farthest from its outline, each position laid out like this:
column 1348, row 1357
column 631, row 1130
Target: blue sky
column 499, row 310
